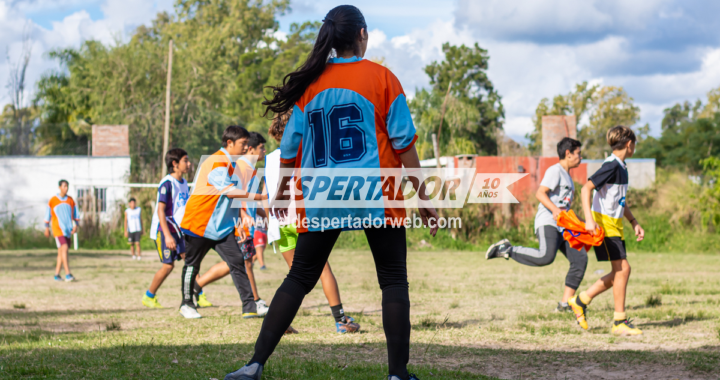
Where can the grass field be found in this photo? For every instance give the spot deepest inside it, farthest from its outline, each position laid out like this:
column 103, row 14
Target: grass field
column 472, row 319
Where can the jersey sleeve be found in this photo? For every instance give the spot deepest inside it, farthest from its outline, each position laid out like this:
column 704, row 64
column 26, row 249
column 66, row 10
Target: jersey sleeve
column 75, row 213
column 551, row 180
column 400, row 127
column 165, row 192
column 604, row 174
column 48, row 215
column 292, row 137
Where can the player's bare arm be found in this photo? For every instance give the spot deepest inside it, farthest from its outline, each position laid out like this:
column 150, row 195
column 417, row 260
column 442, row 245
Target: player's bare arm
column 169, row 239
column 586, row 197
column 410, row 161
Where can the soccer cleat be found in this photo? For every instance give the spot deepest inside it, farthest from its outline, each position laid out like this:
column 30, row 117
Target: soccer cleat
column 202, row 301
column 57, row 278
column 151, row 302
column 625, row 328
column 132, row 258
column 348, row 327
column 262, row 308
column 189, row 312
column 139, row 258
column 250, row 315
column 290, row 330
column 263, row 267
column 69, row 277
column 562, row 307
column 579, row 312
column 248, row 372
column 412, row 377
column 499, row 249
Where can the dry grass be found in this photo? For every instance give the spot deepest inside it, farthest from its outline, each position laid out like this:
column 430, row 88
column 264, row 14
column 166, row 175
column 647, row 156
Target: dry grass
column 470, row 318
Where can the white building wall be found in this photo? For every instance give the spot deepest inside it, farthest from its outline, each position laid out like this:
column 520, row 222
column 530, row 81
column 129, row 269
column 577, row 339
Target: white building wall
column 28, row 182
column 641, row 171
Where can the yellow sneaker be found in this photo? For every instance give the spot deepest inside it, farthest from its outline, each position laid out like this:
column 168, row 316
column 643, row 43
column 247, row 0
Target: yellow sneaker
column 151, row 302
column 202, row 301
column 625, row 328
column 579, row 312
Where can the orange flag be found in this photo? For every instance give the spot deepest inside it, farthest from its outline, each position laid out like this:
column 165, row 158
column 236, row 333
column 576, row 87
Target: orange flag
column 575, row 232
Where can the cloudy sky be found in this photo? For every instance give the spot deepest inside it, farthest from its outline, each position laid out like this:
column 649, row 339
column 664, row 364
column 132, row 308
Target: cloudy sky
column 661, row 51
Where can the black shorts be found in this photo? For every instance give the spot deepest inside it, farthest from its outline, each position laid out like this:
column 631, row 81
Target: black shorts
column 134, row 237
column 612, row 248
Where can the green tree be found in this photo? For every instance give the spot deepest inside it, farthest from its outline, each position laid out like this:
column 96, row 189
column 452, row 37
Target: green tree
column 474, row 109
column 611, row 106
column 575, row 103
column 224, row 53
column 605, row 107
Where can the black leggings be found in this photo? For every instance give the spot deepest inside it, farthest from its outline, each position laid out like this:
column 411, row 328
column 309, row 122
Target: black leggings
column 388, row 246
column 550, row 241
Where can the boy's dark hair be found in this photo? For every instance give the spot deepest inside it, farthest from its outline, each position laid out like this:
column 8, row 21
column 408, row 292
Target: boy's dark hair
column 567, row 144
column 234, row 133
column 174, row 155
column 132, row 200
column 63, row 181
column 619, row 136
column 277, row 127
column 255, row 140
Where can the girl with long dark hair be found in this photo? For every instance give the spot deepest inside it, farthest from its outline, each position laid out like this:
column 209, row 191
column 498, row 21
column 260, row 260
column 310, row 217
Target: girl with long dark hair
column 347, row 113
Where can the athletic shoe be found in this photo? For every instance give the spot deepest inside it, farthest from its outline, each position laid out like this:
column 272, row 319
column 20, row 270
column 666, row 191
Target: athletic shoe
column 57, row 278
column 625, row 328
column 579, row 312
column 189, row 312
column 348, row 327
column 250, row 315
column 69, row 277
column 562, row 307
column 290, row 330
column 202, row 301
column 139, row 258
column 151, row 302
column 249, row 372
column 263, row 267
column 262, row 308
column 132, row 258
column 412, row 377
column 499, row 249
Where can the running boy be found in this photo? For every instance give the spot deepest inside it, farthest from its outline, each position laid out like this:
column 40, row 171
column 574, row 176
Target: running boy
column 245, row 173
column 608, row 207
column 61, row 213
column 172, row 197
column 133, row 227
column 555, row 194
column 210, row 221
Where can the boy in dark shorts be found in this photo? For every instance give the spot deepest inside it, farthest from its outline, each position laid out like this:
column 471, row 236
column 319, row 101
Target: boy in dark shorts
column 607, row 209
column 172, row 196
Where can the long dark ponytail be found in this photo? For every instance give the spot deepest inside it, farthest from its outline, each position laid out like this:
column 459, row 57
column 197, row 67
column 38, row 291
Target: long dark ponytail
column 340, row 31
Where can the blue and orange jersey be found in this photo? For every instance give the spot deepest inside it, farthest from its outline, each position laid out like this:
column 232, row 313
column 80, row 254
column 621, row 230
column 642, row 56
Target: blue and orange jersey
column 208, row 212
column 355, row 115
column 60, row 214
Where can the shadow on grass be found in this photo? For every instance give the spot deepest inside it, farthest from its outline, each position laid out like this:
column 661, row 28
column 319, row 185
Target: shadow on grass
column 24, row 314
column 206, row 361
column 71, row 356
column 674, row 322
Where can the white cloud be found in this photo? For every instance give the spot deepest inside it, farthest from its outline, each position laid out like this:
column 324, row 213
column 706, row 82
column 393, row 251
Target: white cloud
column 533, row 19
column 120, row 18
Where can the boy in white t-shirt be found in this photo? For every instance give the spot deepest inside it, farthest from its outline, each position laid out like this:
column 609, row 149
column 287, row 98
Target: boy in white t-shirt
column 133, row 227
column 555, row 194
